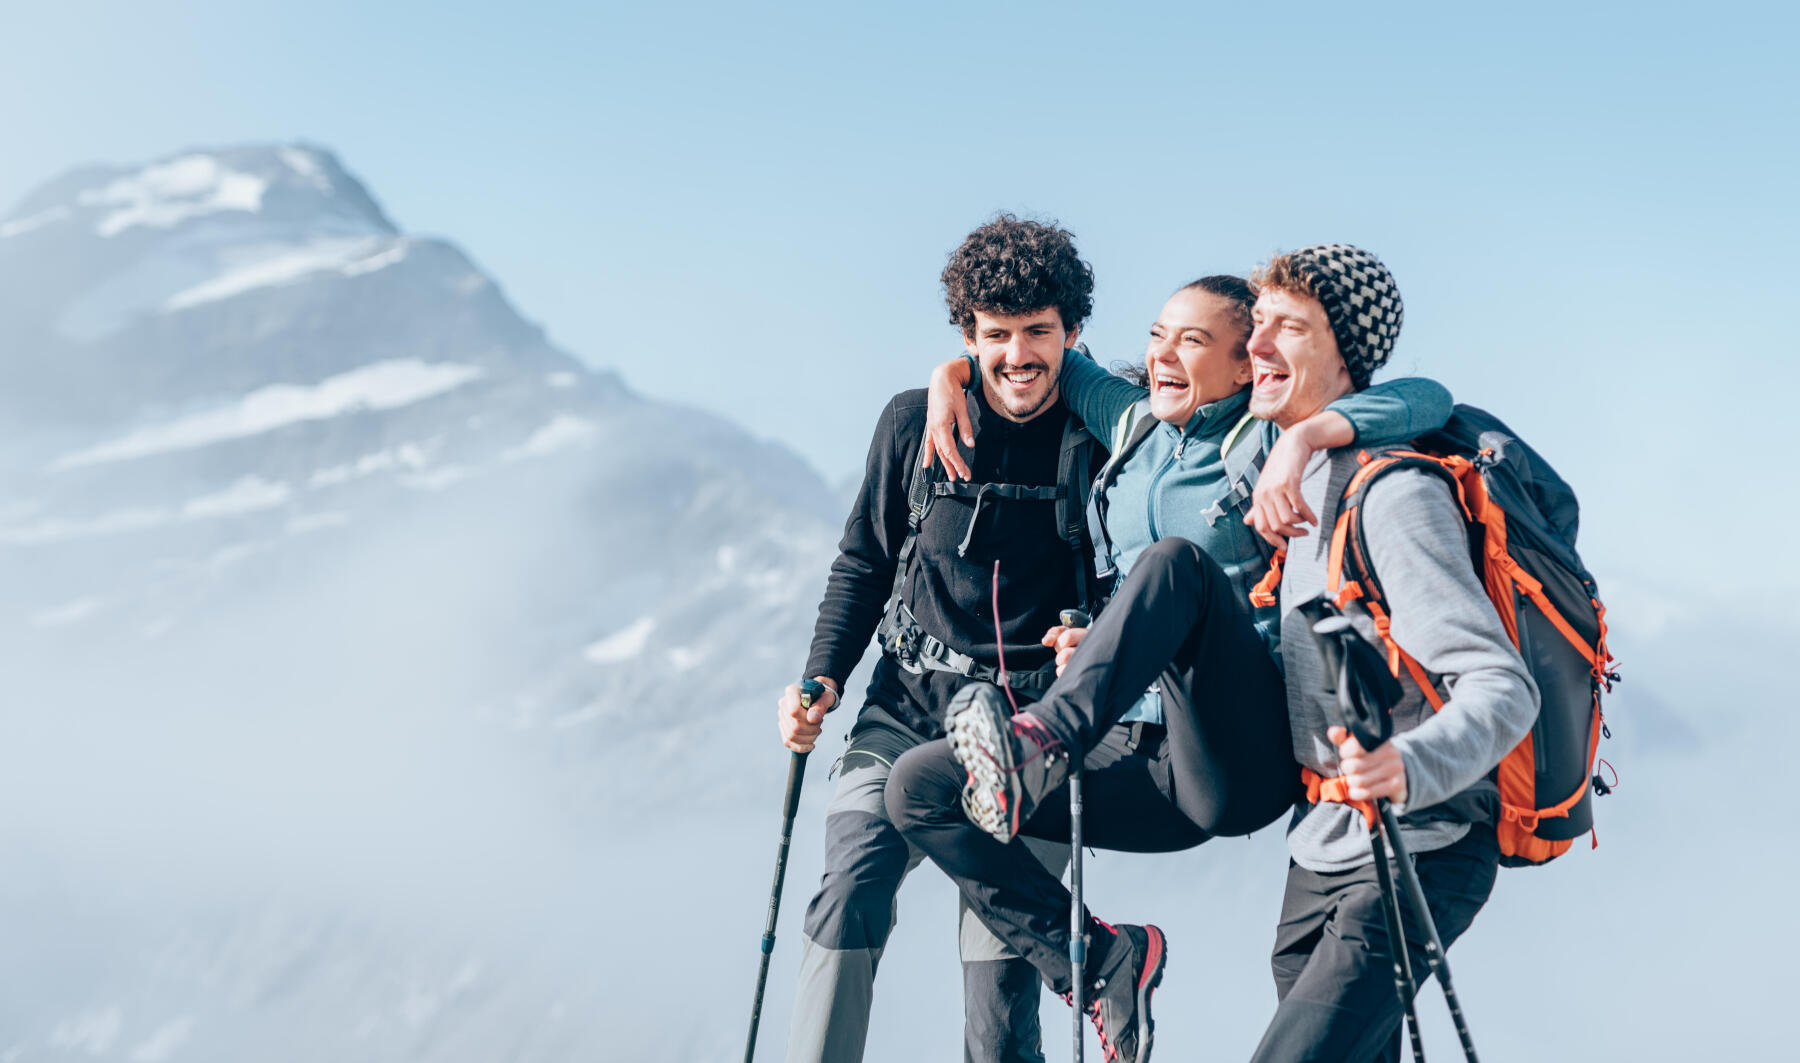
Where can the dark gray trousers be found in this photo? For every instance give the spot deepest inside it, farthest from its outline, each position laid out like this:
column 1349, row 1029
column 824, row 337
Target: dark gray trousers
column 849, row 919
column 1334, row 971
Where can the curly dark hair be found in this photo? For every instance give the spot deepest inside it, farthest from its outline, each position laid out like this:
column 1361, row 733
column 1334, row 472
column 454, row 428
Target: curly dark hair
column 1010, row 266
column 1236, row 290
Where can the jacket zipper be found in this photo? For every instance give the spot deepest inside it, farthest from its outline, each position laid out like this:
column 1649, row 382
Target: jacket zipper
column 1156, row 481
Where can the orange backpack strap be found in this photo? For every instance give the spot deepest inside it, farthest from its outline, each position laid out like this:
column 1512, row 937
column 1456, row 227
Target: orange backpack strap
column 1335, row 789
column 1350, row 576
column 1262, row 596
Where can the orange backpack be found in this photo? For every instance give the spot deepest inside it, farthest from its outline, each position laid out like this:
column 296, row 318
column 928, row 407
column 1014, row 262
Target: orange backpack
column 1522, row 521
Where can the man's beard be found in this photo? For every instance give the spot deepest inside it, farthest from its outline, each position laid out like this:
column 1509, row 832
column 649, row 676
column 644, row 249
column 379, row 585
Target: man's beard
column 1019, row 407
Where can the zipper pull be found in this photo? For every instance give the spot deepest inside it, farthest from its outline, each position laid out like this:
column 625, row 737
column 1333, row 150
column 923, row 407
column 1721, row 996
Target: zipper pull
column 1179, row 447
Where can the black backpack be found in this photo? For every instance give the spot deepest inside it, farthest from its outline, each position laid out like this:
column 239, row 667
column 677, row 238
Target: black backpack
column 1521, row 519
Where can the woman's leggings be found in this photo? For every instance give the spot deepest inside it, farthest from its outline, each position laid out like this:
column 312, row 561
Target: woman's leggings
column 1222, row 764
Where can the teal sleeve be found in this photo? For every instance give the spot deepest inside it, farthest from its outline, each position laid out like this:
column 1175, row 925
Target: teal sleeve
column 1095, row 395
column 1395, row 411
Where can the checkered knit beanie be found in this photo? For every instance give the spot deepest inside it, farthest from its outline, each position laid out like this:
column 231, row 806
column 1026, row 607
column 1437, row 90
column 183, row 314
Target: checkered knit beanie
column 1361, row 300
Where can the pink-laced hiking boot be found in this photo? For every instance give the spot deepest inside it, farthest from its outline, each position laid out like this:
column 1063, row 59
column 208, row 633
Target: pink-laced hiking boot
column 1128, row 976
column 1012, row 761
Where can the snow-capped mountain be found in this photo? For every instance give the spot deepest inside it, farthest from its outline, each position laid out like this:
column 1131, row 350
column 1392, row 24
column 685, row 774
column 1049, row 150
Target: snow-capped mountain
column 308, row 540
column 228, row 365
column 384, row 683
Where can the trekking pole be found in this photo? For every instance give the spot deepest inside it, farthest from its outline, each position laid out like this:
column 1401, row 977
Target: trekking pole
column 1404, row 984
column 1357, row 673
column 1077, row 922
column 1434, row 946
column 810, row 691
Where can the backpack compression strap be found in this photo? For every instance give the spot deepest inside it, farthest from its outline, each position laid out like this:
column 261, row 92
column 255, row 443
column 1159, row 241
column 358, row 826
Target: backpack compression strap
column 1243, row 466
column 899, row 634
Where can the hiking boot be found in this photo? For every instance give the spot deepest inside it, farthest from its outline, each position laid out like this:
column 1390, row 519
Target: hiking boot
column 1128, row 976
column 1012, row 761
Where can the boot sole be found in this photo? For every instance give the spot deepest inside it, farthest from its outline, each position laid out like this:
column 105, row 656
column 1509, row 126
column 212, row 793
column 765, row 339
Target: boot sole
column 1156, row 957
column 981, row 741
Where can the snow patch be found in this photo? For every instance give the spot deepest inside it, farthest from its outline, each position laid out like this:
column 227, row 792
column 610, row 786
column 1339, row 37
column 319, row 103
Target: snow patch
column 68, row 613
column 405, row 456
column 164, row 195
column 303, row 163
column 563, row 431
column 248, row 495
column 270, row 266
column 20, row 226
column 561, row 380
column 379, row 386
column 381, row 260
column 622, row 645
column 162, row 1044
column 93, row 1032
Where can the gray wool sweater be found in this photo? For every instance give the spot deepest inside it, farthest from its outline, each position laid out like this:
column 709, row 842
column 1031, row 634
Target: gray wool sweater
column 1442, row 616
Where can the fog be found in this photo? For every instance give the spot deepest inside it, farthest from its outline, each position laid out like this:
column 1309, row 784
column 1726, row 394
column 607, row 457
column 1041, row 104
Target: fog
column 434, row 723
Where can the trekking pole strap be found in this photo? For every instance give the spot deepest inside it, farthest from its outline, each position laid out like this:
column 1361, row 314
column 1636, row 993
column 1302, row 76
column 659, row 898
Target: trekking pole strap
column 1333, row 788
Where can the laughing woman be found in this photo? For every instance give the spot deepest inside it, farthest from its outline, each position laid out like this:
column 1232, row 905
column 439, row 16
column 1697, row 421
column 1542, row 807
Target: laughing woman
column 1184, row 518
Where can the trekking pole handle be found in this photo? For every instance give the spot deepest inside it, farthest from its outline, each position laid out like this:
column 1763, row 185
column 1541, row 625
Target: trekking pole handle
column 811, row 690
column 1355, row 671
column 1074, row 618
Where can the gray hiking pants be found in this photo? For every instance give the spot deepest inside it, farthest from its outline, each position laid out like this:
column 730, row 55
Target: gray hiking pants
column 849, row 919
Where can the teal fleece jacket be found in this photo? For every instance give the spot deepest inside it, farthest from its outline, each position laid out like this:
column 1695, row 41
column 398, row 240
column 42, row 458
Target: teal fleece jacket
column 1172, row 479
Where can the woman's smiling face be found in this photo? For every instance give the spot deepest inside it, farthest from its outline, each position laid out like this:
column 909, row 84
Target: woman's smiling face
column 1196, row 354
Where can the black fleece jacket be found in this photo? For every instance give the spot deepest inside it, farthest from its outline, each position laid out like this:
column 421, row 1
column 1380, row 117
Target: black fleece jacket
column 951, row 597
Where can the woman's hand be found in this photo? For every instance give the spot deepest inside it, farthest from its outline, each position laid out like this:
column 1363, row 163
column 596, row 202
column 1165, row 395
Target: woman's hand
column 1063, row 640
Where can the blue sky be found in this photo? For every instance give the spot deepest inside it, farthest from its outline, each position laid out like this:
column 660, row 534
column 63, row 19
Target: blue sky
column 1590, row 212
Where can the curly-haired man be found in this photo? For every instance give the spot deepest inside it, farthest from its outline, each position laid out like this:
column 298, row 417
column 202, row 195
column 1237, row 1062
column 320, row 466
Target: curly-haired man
column 917, row 566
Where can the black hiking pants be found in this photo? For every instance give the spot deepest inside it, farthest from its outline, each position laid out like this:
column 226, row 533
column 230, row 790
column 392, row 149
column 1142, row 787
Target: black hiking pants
column 854, row 911
column 1222, row 763
column 1334, row 971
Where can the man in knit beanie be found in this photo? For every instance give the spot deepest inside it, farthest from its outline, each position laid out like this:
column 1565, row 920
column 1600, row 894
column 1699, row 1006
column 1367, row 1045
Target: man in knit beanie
column 1358, row 302
column 1326, row 318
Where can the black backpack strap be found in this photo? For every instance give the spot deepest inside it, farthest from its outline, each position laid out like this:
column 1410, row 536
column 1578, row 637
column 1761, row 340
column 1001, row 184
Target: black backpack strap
column 982, row 492
column 1072, row 468
column 919, row 495
column 896, row 627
